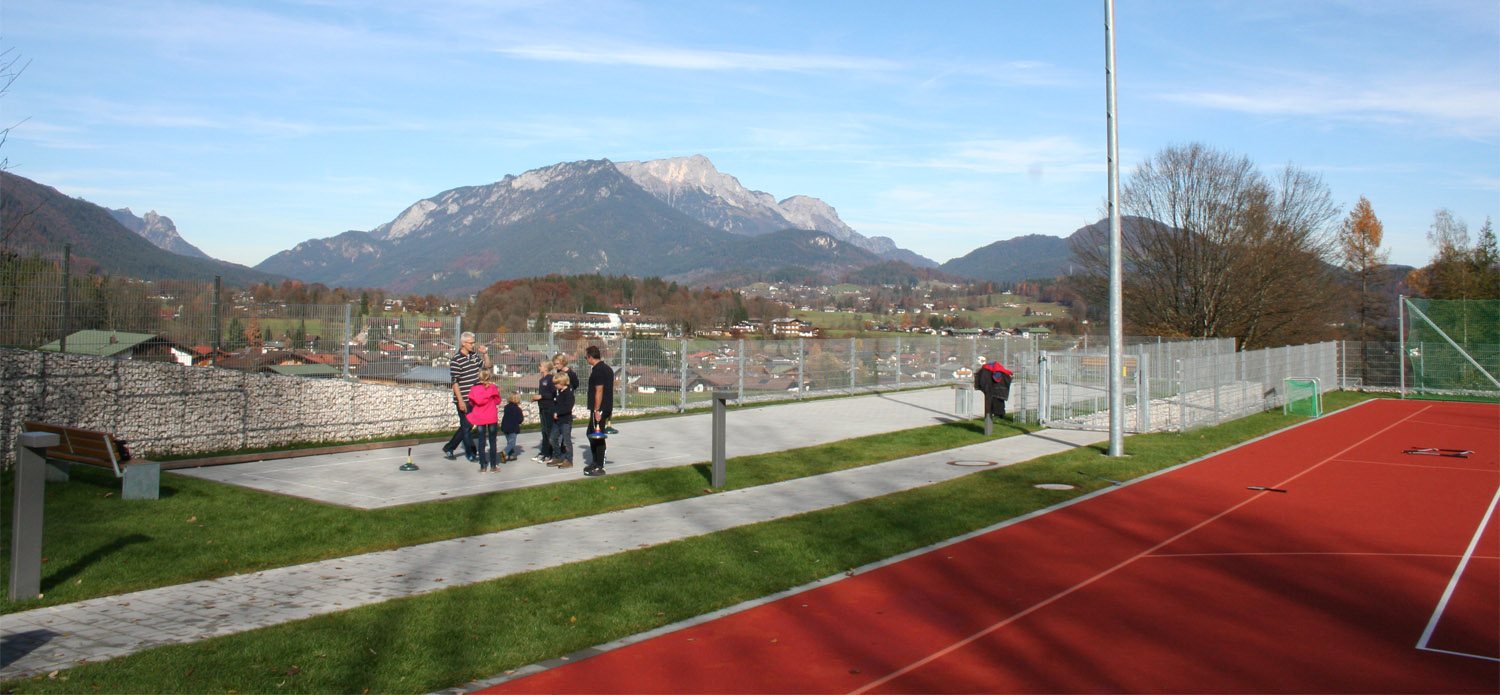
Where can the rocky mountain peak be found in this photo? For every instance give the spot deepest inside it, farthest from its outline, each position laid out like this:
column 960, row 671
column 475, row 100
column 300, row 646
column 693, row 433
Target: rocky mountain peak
column 668, row 178
column 694, row 186
column 157, row 229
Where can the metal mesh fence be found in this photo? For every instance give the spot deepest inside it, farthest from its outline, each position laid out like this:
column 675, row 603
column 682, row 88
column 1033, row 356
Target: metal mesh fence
column 1173, row 384
column 1178, row 386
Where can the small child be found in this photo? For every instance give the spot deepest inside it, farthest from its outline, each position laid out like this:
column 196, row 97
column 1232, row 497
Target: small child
column 485, row 397
column 510, row 425
column 562, row 421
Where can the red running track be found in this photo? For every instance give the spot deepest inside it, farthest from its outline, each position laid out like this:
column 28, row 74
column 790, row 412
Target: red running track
column 1186, row 581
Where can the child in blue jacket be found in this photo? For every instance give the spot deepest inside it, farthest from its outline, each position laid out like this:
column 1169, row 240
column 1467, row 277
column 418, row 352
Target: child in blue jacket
column 510, row 425
column 562, row 421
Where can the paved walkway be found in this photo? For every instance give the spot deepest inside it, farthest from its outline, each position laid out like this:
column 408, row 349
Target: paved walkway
column 373, row 479
column 57, row 637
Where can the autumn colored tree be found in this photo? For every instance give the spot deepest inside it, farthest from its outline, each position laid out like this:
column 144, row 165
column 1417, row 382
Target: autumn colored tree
column 1359, row 251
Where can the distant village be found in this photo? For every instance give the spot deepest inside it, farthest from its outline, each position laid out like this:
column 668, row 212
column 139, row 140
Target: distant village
column 393, row 348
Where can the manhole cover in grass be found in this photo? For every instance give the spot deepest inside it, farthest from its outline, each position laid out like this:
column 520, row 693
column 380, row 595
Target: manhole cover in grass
column 1054, row 486
column 973, row 464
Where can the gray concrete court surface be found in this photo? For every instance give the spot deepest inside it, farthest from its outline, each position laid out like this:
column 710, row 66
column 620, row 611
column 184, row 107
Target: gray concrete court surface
column 57, row 637
column 373, row 479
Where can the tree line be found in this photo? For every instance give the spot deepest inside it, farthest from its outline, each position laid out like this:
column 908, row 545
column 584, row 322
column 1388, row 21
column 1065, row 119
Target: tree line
column 1219, row 249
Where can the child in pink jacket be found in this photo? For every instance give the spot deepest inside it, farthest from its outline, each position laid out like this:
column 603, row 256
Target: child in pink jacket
column 485, row 397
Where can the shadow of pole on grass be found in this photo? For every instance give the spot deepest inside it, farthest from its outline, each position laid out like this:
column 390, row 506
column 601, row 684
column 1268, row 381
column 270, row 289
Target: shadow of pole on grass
column 61, row 576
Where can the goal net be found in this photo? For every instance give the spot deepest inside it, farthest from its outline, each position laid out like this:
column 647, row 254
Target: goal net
column 1452, row 347
column 1303, row 397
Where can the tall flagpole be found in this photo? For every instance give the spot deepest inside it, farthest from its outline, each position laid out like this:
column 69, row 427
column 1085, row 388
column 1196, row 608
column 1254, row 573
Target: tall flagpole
column 1116, row 310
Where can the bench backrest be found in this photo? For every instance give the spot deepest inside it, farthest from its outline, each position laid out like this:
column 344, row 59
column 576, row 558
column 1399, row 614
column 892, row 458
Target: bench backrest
column 81, row 446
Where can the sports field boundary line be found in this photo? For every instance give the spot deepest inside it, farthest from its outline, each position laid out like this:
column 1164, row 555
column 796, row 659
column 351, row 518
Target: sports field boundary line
column 547, row 665
column 1119, row 565
column 1442, row 604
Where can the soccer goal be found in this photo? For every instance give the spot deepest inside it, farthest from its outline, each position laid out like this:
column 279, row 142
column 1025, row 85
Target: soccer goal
column 1450, row 347
column 1303, row 397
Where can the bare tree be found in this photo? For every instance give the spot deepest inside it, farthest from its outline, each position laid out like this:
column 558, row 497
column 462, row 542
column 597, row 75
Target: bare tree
column 11, row 68
column 1213, row 248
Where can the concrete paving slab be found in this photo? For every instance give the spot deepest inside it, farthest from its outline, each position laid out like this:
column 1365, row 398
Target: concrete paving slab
column 372, row 479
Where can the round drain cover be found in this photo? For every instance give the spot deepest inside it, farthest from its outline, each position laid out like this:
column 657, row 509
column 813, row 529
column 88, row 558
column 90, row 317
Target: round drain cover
column 1054, row 486
column 973, row 464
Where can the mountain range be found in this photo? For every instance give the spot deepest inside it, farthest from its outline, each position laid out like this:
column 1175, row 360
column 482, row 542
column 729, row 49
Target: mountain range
column 679, row 218
column 40, row 219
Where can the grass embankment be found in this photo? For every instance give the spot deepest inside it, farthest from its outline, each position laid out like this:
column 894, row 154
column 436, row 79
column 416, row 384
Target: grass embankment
column 438, row 640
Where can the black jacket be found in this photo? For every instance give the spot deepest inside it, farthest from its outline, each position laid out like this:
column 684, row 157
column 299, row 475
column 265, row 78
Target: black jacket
column 993, row 380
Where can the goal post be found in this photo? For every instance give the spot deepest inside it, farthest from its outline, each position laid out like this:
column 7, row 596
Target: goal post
column 1303, row 397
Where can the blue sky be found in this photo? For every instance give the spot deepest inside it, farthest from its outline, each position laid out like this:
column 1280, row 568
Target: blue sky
column 943, row 125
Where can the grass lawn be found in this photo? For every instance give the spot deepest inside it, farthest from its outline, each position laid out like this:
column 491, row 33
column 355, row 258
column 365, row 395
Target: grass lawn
column 98, row 546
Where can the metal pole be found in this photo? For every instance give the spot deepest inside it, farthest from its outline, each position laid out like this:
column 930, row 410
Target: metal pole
column 1116, row 310
column 218, row 332
column 852, row 354
column 801, row 372
column 348, row 327
column 682, row 377
column 898, row 362
column 717, row 479
column 740, row 356
column 624, row 372
column 67, row 289
column 1401, row 333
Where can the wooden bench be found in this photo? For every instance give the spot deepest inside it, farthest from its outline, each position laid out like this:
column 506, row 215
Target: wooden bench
column 142, row 478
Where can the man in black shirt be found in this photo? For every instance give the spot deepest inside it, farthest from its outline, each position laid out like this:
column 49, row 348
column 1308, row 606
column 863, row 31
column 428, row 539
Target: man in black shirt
column 463, row 373
column 601, row 402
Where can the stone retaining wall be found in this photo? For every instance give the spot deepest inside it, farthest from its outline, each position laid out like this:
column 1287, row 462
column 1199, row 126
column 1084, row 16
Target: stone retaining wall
column 167, row 409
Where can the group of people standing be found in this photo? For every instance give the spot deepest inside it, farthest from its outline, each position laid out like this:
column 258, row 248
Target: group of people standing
column 479, row 419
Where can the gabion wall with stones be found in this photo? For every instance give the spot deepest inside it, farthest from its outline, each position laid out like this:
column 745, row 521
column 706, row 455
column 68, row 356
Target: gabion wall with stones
column 167, row 409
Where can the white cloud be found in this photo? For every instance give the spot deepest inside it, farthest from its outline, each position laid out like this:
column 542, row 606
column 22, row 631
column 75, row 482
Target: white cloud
column 1452, row 105
column 689, row 59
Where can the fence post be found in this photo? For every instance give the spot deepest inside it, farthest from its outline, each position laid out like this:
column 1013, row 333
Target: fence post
column 1044, row 392
column 67, row 297
column 852, row 362
column 937, row 355
column 1181, row 399
column 801, row 372
column 682, row 378
column 1218, row 414
column 898, row 362
column 348, row 326
column 624, row 377
column 218, row 333
column 1341, row 359
column 1143, row 391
